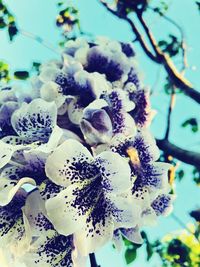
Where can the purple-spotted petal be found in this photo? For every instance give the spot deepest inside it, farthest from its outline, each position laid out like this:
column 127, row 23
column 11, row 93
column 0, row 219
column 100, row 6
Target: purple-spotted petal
column 162, row 205
column 51, row 144
column 12, row 226
column 133, row 235
column 8, row 188
column 51, row 250
column 75, row 111
column 35, row 120
column 49, row 190
column 155, row 175
column 146, row 146
column 36, row 214
column 115, row 172
column 70, row 163
column 6, row 152
column 94, row 235
column 63, row 211
column 125, row 213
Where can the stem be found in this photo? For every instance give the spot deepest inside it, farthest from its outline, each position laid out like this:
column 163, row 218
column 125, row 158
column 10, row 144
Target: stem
column 39, row 40
column 186, row 156
column 170, row 109
column 93, row 262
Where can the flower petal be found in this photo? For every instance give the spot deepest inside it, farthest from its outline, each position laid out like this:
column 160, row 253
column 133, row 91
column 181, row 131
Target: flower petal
column 125, row 213
column 35, row 120
column 70, row 163
column 94, row 235
column 12, row 228
column 75, row 111
column 162, row 204
column 62, row 211
column 155, row 175
column 6, row 152
column 49, row 190
column 50, row 250
column 51, row 144
column 145, row 144
column 36, row 214
column 133, row 235
column 115, row 171
column 8, row 188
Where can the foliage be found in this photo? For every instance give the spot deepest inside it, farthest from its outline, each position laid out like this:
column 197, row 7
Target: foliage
column 7, row 21
column 68, row 21
column 171, row 47
column 193, row 123
column 4, row 72
column 181, row 248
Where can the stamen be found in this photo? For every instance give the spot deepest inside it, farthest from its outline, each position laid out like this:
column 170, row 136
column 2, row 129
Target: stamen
column 133, row 155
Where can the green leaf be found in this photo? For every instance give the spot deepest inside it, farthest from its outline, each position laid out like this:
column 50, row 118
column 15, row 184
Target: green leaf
column 198, row 5
column 12, row 31
column 149, row 250
column 36, row 66
column 180, row 175
column 130, row 255
column 21, row 75
column 196, row 176
column 171, row 46
column 60, row 3
column 2, row 23
column 192, row 122
column 149, row 246
column 4, row 72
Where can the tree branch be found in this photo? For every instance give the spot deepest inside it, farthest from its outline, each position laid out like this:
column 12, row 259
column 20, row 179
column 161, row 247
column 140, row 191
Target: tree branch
column 175, row 76
column 186, row 156
column 182, row 33
column 134, row 29
column 39, row 40
column 160, row 57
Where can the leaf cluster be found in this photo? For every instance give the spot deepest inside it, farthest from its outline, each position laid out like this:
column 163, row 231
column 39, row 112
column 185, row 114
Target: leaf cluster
column 7, row 21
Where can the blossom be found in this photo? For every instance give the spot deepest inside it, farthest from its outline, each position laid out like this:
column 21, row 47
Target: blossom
column 91, row 206
column 105, row 117
column 13, row 222
column 37, row 240
column 78, row 165
column 150, row 188
column 34, row 124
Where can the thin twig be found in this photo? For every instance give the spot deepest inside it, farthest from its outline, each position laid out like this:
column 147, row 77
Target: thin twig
column 186, row 156
column 175, row 76
column 134, row 29
column 170, row 109
column 93, row 262
column 39, row 40
column 182, row 33
column 154, row 86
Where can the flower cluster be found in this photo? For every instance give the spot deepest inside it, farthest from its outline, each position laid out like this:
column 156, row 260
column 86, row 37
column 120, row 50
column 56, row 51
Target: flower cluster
column 79, row 167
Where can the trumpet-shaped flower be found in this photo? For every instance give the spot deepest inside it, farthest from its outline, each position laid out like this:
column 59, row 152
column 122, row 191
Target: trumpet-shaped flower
column 91, row 206
column 35, row 126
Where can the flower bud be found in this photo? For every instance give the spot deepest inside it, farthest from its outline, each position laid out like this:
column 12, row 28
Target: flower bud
column 96, row 126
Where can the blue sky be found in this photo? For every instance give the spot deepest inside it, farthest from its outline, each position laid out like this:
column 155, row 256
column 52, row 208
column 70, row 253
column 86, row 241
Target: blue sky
column 38, row 17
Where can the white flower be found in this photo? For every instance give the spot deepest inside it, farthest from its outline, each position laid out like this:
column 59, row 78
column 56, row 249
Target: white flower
column 91, row 206
column 35, row 127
